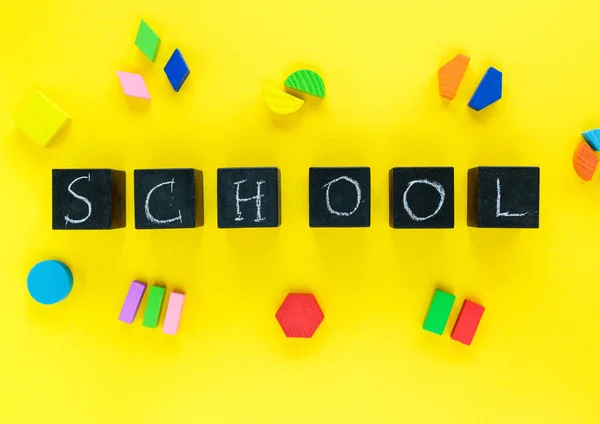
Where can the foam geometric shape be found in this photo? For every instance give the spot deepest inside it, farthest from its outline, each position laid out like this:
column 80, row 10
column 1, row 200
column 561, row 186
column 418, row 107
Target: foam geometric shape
column 593, row 138
column 177, row 70
column 173, row 315
column 306, row 81
column 439, row 312
column 299, row 315
column 156, row 296
column 585, row 161
column 133, row 85
column 132, row 302
column 451, row 74
column 41, row 120
column 147, row 41
column 467, row 322
column 49, row 282
column 281, row 102
column 488, row 91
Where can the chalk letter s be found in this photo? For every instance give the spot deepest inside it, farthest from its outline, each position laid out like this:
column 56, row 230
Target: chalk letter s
column 69, row 220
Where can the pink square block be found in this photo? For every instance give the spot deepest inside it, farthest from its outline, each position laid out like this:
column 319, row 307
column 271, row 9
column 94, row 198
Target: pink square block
column 133, row 85
column 173, row 315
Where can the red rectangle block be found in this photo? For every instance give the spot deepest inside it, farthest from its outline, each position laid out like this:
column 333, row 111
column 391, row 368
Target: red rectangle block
column 467, row 322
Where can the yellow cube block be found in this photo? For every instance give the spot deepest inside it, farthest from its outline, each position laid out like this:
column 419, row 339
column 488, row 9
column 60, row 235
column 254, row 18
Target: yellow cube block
column 41, row 120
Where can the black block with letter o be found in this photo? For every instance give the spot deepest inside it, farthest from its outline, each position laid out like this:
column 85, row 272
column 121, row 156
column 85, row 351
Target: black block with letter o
column 422, row 197
column 340, row 197
column 168, row 198
column 88, row 199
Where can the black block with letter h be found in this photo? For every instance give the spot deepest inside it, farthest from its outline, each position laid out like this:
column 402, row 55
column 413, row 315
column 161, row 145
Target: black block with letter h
column 168, row 198
column 340, row 197
column 88, row 199
column 504, row 197
column 248, row 197
column 422, row 197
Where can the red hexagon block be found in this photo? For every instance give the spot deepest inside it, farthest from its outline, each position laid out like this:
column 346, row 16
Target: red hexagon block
column 299, row 315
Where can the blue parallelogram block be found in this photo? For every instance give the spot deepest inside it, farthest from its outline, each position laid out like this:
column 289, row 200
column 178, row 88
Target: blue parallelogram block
column 177, row 70
column 488, row 91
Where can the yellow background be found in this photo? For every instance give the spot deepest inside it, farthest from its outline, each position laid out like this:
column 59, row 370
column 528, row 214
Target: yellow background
column 535, row 356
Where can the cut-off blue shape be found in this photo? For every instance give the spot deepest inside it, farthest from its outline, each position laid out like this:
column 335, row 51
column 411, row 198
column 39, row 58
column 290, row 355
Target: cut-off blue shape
column 593, row 138
column 488, row 91
column 49, row 282
column 177, row 70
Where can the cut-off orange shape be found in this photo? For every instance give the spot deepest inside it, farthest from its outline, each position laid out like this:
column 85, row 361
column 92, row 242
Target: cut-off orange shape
column 451, row 74
column 585, row 161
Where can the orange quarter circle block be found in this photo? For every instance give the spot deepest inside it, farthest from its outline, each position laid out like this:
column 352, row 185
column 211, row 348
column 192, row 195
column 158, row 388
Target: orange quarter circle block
column 585, row 161
column 451, row 74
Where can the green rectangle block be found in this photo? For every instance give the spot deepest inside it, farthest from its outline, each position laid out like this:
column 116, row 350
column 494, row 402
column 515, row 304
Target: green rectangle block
column 439, row 312
column 153, row 307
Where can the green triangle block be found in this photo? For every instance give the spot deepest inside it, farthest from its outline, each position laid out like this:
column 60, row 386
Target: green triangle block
column 306, row 81
column 147, row 41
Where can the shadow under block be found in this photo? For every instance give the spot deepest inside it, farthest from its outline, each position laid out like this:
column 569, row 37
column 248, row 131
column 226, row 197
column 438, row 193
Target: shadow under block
column 439, row 312
column 156, row 296
column 147, row 41
column 467, row 322
column 503, row 197
column 88, row 199
column 451, row 74
column 177, row 70
column 299, row 315
column 173, row 314
column 41, row 120
column 168, row 198
column 132, row 302
column 340, row 197
column 422, row 197
column 248, row 197
column 593, row 138
column 488, row 91
column 585, row 161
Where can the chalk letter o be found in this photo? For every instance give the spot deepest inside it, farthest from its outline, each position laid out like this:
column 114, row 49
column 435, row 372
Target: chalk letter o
column 433, row 184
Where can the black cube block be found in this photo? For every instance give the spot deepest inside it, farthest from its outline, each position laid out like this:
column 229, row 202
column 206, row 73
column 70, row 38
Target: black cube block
column 340, row 197
column 168, row 198
column 88, row 199
column 422, row 197
column 248, row 197
column 504, row 197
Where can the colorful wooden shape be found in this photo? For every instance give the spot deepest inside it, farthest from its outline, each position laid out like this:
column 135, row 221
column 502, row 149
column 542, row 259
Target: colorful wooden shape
column 248, row 197
column 156, row 296
column 306, row 81
column 422, row 197
column 593, row 138
column 299, row 315
column 439, row 312
column 133, row 85
column 467, row 322
column 167, row 198
column 451, row 74
column 173, row 315
column 88, row 199
column 41, row 120
column 147, row 41
column 339, row 197
column 49, row 282
column 177, row 70
column 132, row 302
column 281, row 102
column 504, row 197
column 585, row 161
column 488, row 91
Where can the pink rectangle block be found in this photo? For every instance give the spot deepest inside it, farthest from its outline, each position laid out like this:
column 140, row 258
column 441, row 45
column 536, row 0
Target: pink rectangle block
column 173, row 315
column 132, row 301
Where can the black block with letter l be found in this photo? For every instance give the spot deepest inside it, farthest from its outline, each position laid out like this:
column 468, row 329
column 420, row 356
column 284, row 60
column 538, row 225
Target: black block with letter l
column 88, row 199
column 168, row 198
column 248, row 197
column 422, row 197
column 340, row 197
column 504, row 197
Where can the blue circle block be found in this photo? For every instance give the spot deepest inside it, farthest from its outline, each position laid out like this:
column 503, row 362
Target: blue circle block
column 49, row 282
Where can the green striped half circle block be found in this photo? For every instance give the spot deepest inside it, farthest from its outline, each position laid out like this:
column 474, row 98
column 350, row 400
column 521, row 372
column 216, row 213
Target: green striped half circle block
column 306, row 81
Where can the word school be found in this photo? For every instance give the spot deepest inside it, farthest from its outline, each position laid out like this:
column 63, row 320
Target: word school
column 420, row 197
